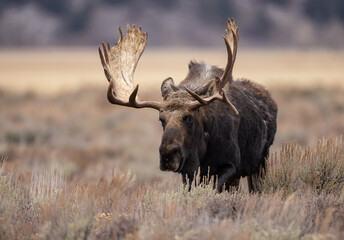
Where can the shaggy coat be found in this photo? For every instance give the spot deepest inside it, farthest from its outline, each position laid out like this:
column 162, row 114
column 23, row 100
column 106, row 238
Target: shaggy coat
column 213, row 138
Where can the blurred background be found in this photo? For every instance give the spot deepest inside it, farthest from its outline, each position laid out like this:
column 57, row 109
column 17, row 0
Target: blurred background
column 301, row 23
column 53, row 107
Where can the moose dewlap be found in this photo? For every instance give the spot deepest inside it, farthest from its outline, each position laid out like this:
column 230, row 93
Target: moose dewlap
column 212, row 123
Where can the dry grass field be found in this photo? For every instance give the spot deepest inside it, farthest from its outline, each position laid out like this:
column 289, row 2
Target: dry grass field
column 75, row 167
column 55, row 70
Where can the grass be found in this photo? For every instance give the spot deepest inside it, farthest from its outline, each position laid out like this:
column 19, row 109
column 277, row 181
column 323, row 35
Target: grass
column 75, row 167
column 300, row 202
column 64, row 174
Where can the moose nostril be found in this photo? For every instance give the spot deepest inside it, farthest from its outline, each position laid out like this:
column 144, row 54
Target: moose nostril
column 167, row 150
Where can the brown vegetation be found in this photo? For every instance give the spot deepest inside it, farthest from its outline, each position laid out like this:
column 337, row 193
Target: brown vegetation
column 64, row 159
column 65, row 155
column 304, row 202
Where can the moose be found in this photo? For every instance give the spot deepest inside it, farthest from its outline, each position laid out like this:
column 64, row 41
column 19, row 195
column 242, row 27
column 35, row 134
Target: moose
column 212, row 124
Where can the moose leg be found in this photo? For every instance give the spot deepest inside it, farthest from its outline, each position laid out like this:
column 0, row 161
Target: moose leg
column 233, row 184
column 255, row 181
column 226, row 176
column 251, row 183
column 188, row 180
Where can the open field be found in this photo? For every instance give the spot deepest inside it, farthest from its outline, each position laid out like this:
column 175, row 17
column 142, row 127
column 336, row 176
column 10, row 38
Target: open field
column 66, row 153
column 55, row 70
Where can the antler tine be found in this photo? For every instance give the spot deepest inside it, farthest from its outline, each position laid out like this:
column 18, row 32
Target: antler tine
column 101, row 57
column 219, row 94
column 132, row 102
column 119, row 63
column 235, row 32
column 231, row 36
column 200, row 100
column 231, row 39
column 104, row 64
column 229, row 60
column 120, row 33
column 106, row 54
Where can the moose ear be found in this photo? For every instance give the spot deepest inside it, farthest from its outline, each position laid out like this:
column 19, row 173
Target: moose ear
column 168, row 86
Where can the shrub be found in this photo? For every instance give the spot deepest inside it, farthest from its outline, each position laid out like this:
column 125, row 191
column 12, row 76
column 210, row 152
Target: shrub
column 320, row 169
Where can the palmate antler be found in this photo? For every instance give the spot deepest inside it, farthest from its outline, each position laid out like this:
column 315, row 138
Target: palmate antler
column 119, row 63
column 231, row 38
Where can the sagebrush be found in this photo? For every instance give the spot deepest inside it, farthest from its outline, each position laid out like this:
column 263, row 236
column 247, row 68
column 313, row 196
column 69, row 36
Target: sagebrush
column 303, row 198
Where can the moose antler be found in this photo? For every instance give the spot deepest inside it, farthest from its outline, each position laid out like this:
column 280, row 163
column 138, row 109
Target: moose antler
column 231, row 38
column 119, row 63
column 219, row 94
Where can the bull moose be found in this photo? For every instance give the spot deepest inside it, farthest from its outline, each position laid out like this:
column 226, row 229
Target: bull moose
column 211, row 123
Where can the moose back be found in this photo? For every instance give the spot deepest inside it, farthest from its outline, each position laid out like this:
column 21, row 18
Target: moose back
column 212, row 123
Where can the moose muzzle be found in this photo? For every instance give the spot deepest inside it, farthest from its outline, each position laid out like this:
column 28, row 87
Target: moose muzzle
column 170, row 157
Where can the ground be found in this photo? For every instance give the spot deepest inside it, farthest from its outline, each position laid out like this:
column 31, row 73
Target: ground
column 66, row 152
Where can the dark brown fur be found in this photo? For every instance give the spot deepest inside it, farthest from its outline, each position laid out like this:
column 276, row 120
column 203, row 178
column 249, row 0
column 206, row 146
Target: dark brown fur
column 213, row 138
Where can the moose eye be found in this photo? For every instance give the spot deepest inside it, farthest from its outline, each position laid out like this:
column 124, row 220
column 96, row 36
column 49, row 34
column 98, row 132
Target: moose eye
column 187, row 119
